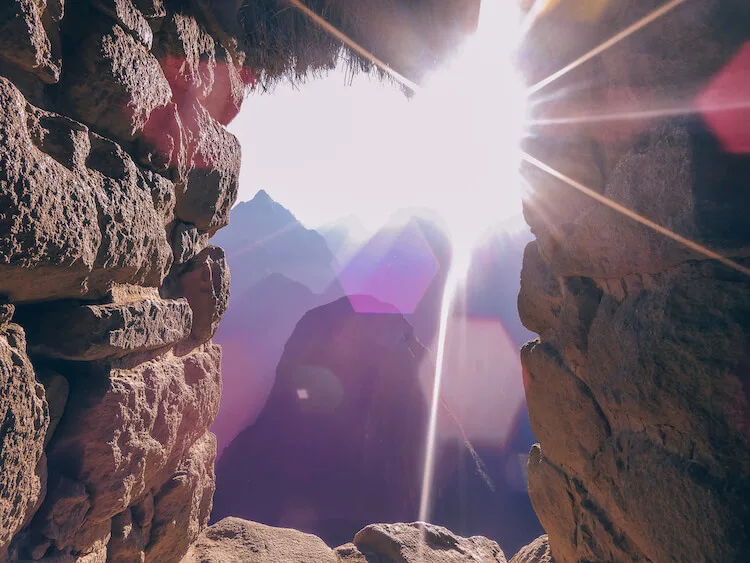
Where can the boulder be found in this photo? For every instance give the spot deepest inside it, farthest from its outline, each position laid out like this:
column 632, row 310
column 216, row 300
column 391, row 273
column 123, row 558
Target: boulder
column 536, row 552
column 25, row 417
column 233, row 540
column 417, row 542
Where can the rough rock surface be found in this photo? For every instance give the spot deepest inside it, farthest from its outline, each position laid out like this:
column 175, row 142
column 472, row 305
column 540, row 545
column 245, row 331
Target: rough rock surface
column 638, row 384
column 412, row 543
column 25, row 416
column 104, row 447
column 233, row 540
column 95, row 332
column 536, row 552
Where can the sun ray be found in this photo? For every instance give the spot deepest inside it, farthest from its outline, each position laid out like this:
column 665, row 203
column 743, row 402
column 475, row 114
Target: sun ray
column 673, row 111
column 382, row 65
column 640, row 24
column 692, row 245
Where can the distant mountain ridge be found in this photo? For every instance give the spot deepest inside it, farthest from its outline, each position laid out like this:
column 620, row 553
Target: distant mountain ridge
column 263, row 237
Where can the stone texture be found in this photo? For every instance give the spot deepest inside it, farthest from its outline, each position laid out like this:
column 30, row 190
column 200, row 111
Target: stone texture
column 412, row 543
column 182, row 506
column 233, row 540
column 187, row 241
column 131, row 531
column 95, row 332
column 204, row 282
column 56, row 391
column 61, row 241
column 24, row 417
column 638, row 385
column 536, row 552
column 129, row 83
column 187, row 54
column 129, row 17
column 132, row 433
column 213, row 157
column 25, row 42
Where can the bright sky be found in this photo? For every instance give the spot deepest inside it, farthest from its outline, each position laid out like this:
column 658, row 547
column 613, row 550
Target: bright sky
column 327, row 149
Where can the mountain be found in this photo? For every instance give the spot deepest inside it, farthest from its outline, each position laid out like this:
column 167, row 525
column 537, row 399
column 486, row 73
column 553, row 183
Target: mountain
column 277, row 267
column 263, row 237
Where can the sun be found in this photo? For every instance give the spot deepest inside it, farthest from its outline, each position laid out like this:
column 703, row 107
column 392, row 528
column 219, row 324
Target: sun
column 469, row 125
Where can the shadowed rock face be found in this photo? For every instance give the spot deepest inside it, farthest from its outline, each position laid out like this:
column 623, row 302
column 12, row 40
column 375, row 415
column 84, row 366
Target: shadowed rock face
column 638, row 384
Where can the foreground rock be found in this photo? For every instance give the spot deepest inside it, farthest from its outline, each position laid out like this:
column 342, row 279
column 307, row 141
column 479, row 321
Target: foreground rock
column 638, row 384
column 536, row 552
column 414, row 543
column 25, row 417
column 234, row 540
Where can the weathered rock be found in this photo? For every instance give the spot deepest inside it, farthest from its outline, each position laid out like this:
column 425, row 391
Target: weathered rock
column 213, row 157
column 536, row 552
column 129, row 84
column 95, row 332
column 416, row 542
column 187, row 242
column 540, row 298
column 231, row 80
column 182, row 506
column 233, row 540
column 56, row 390
column 6, row 313
column 56, row 239
column 24, row 40
column 204, row 282
column 163, row 143
column 25, row 417
column 131, row 531
column 572, row 440
column 187, row 54
column 130, row 435
column 129, row 17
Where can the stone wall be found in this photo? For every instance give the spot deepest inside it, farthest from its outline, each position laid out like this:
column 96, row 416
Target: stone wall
column 638, row 385
column 115, row 168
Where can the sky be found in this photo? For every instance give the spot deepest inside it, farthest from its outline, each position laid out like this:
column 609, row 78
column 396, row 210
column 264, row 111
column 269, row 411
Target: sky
column 328, row 149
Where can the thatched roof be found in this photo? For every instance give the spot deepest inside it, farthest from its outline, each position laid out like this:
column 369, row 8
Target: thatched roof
column 411, row 36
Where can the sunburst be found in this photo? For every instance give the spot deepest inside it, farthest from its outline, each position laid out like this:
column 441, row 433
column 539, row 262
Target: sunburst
column 454, row 278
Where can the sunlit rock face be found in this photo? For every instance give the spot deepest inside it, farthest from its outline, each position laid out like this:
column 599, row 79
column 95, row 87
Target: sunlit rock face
column 115, row 168
column 637, row 386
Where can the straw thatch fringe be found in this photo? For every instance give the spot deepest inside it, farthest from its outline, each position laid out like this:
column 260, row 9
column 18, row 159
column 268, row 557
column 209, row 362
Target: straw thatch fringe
column 409, row 35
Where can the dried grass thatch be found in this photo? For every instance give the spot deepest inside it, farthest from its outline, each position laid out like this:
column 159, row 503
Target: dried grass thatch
column 411, row 36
